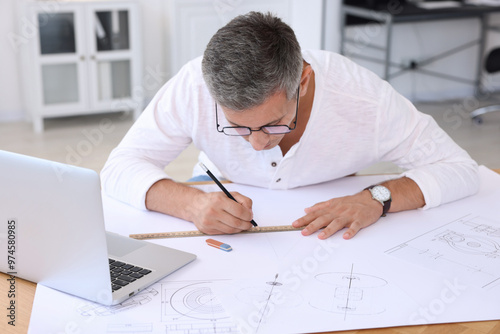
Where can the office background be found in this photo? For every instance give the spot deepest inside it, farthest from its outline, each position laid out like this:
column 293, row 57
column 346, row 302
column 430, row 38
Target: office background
column 169, row 41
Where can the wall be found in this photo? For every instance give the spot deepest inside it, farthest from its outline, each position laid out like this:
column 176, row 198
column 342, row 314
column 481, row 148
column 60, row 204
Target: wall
column 10, row 93
column 421, row 42
column 412, row 41
column 191, row 23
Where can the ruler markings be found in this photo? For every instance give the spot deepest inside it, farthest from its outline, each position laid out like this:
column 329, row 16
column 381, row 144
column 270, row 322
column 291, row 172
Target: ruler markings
column 186, row 234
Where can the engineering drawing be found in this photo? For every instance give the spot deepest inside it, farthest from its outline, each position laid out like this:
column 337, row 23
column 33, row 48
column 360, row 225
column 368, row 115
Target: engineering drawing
column 349, row 293
column 467, row 248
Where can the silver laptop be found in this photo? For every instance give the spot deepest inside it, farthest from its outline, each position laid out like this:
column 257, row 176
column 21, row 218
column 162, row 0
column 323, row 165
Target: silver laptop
column 52, row 233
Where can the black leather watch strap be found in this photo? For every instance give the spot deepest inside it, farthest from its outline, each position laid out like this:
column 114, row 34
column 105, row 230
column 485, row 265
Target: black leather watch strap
column 387, row 204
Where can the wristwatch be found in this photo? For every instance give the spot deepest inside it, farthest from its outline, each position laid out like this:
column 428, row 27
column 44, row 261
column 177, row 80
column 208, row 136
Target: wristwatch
column 382, row 195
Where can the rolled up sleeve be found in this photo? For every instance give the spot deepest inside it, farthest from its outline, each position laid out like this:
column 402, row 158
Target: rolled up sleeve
column 414, row 141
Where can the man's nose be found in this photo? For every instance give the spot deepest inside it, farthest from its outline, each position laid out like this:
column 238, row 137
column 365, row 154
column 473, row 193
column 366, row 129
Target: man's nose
column 259, row 140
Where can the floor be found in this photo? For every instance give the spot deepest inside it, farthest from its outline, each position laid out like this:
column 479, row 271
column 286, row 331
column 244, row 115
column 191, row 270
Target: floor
column 86, row 141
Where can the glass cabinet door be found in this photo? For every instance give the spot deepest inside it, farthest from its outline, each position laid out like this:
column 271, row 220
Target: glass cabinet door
column 112, row 30
column 112, row 53
column 60, row 67
column 114, row 80
column 57, row 33
column 60, row 84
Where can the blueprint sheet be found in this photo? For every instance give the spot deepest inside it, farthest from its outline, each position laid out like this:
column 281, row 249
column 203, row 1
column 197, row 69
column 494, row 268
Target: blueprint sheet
column 415, row 267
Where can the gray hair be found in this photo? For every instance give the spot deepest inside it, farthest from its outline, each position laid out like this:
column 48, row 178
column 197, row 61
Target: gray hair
column 250, row 59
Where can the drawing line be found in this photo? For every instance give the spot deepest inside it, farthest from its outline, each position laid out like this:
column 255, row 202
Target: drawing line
column 199, row 307
column 389, row 251
column 348, row 292
column 497, row 279
column 355, row 297
column 272, row 246
column 267, row 302
column 459, row 246
column 190, row 306
column 198, row 293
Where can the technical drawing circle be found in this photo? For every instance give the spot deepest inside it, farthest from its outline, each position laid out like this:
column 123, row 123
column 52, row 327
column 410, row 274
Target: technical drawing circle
column 197, row 301
column 474, row 244
column 349, row 293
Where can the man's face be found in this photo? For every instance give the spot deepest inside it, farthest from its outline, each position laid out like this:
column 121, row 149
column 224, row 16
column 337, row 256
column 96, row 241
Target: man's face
column 276, row 110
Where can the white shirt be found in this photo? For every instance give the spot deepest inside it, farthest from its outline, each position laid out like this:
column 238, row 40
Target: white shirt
column 357, row 120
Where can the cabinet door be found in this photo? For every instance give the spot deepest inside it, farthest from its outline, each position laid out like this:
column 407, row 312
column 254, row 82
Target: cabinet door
column 114, row 55
column 60, row 60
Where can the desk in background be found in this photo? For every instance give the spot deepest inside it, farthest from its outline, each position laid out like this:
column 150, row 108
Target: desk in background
column 25, row 293
column 389, row 13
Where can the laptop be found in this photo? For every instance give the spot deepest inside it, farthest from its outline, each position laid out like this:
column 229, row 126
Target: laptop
column 52, row 233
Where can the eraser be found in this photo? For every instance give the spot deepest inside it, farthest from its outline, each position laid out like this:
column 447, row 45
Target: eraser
column 220, row 245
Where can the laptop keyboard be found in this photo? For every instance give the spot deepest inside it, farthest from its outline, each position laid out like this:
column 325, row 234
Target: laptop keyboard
column 123, row 273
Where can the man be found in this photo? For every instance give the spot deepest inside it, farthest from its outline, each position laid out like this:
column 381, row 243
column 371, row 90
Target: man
column 265, row 113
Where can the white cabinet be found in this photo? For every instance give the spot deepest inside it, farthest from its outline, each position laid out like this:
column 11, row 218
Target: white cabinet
column 84, row 58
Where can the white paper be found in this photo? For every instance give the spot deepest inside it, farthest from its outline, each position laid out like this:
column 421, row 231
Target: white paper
column 174, row 307
column 286, row 283
column 468, row 247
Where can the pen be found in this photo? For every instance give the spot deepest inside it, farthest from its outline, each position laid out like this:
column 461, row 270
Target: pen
column 212, row 176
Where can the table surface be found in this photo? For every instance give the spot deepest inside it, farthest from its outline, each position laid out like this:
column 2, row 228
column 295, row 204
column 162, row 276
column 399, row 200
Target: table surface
column 25, row 294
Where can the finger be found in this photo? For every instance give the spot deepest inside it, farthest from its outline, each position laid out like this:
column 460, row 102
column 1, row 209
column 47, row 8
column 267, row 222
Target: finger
column 228, row 223
column 336, row 225
column 243, row 200
column 208, row 227
column 231, row 207
column 316, row 207
column 217, row 220
column 221, row 227
column 352, row 231
column 224, row 228
column 305, row 220
column 238, row 211
column 316, row 224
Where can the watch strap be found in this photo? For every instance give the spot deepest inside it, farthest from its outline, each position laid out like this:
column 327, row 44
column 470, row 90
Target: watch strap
column 386, row 204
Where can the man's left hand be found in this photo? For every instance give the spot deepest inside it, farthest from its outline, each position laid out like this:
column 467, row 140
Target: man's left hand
column 353, row 212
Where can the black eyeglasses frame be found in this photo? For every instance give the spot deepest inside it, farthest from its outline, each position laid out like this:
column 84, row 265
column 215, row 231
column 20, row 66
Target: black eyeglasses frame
column 262, row 128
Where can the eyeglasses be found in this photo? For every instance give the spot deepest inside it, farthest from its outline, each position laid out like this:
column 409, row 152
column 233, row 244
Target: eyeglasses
column 268, row 129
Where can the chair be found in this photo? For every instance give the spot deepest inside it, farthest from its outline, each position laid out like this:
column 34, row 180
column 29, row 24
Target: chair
column 491, row 65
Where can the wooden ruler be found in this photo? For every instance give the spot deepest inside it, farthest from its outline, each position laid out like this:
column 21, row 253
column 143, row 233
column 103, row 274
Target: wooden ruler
column 185, row 234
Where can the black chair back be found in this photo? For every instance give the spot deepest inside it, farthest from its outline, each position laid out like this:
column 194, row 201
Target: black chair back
column 492, row 63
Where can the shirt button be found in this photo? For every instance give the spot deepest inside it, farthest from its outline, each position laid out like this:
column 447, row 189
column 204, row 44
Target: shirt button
column 278, row 180
column 274, row 164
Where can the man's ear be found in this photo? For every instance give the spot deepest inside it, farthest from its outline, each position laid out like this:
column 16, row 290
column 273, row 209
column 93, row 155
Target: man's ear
column 305, row 79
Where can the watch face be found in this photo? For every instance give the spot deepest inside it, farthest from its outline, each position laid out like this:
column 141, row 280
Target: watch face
column 381, row 193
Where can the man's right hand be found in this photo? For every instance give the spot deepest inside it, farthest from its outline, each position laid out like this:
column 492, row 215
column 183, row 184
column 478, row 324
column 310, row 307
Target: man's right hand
column 215, row 213
column 212, row 213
